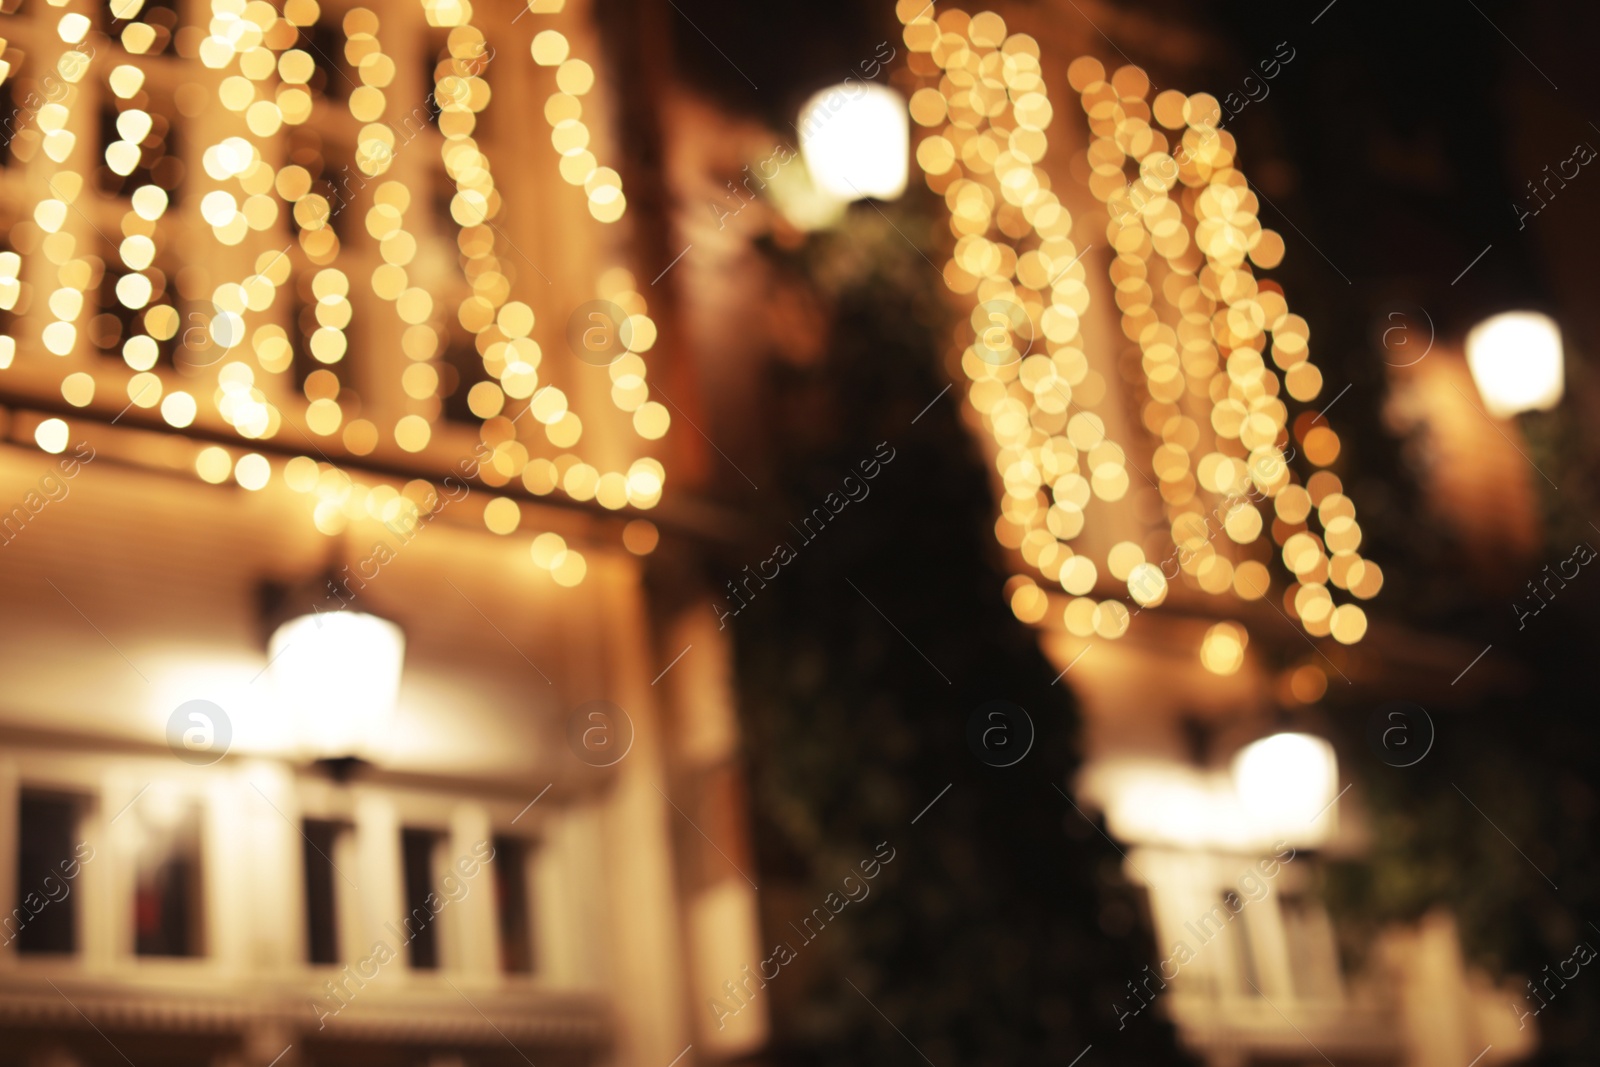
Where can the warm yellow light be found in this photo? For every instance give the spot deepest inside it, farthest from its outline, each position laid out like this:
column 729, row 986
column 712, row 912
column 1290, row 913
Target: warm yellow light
column 1516, row 361
column 78, row 389
column 798, row 197
column 547, row 548
column 640, row 537
column 1222, row 648
column 51, row 435
column 569, row 568
column 338, row 673
column 1158, row 802
column 1287, row 784
column 252, row 471
column 501, row 515
column 856, row 141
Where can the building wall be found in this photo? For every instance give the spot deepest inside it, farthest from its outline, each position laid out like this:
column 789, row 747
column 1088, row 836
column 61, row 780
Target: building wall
column 132, row 586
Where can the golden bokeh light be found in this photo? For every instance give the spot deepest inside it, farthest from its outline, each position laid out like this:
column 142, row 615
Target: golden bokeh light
column 640, row 537
column 1307, row 683
column 1222, row 648
column 1182, row 238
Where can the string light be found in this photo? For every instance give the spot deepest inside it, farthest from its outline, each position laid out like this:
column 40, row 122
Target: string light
column 1184, row 235
column 250, row 36
column 391, row 281
column 563, row 110
column 261, row 71
column 141, row 286
column 59, row 244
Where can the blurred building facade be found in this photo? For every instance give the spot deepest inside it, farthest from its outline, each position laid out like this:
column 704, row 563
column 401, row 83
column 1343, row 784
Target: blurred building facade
column 262, row 906
column 512, row 862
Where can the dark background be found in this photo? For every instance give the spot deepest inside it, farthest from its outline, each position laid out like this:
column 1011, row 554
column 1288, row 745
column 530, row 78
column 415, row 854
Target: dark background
column 1393, row 148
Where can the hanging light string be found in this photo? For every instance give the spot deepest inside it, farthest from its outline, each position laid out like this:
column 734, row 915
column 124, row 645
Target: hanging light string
column 60, row 245
column 1200, row 321
column 641, row 484
column 254, row 42
column 141, row 139
column 266, row 79
column 1190, row 204
column 563, row 110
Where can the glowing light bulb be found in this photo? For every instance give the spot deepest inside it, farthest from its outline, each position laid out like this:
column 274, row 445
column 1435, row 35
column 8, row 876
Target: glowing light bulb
column 1516, row 361
column 338, row 673
column 856, row 141
column 1286, row 785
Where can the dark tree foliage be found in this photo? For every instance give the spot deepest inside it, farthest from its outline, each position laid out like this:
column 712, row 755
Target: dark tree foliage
column 1002, row 931
column 1500, row 821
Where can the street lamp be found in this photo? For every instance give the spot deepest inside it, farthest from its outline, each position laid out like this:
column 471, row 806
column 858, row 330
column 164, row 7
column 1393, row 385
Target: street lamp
column 856, row 140
column 1516, row 361
column 1286, row 785
column 338, row 673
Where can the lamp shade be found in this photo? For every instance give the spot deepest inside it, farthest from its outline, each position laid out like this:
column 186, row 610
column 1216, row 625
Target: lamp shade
column 1286, row 785
column 337, row 674
column 1516, row 361
column 856, row 140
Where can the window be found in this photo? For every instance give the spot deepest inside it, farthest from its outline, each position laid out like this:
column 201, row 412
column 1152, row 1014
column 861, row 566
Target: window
column 111, row 329
column 322, row 841
column 167, row 911
column 303, row 309
column 1313, row 955
column 513, row 905
column 459, row 370
column 334, row 177
column 160, row 159
column 419, row 856
column 11, row 118
column 441, row 195
column 1244, row 953
column 325, row 42
column 160, row 15
column 23, row 97
column 436, row 64
column 49, row 856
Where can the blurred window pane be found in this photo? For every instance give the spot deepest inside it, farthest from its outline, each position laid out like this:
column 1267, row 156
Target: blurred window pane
column 513, row 904
column 168, row 914
column 45, row 919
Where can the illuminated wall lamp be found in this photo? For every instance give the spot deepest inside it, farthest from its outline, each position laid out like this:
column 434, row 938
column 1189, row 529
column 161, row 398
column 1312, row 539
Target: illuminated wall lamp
column 1516, row 361
column 856, row 141
column 338, row 673
column 1286, row 784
